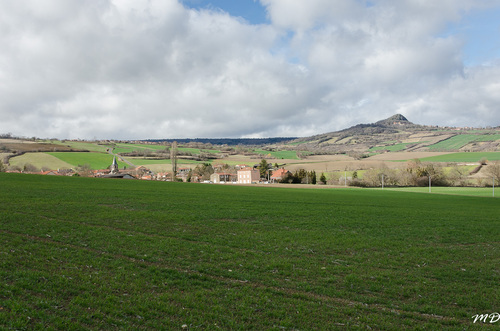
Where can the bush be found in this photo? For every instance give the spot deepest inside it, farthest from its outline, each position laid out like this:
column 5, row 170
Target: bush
column 357, row 183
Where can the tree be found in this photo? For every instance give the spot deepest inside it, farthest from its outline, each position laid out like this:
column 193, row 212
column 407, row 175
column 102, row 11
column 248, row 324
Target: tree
column 173, row 159
column 28, row 167
column 2, row 167
column 263, row 167
column 204, row 170
column 458, row 175
column 322, row 178
column 84, row 170
column 492, row 170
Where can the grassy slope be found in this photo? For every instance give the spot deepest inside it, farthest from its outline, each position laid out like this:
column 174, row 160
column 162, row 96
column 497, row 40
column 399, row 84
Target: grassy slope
column 95, row 160
column 463, row 157
column 89, row 146
column 459, row 141
column 292, row 155
column 39, row 160
column 104, row 254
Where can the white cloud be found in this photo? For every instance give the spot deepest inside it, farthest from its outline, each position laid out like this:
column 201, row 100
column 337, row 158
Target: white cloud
column 155, row 69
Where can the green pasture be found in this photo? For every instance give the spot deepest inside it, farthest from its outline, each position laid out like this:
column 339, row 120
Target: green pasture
column 95, row 160
column 86, row 253
column 468, row 191
column 463, row 157
column 128, row 148
column 391, row 148
column 289, row 155
column 39, row 160
column 197, row 150
column 488, row 137
column 459, row 141
column 143, row 162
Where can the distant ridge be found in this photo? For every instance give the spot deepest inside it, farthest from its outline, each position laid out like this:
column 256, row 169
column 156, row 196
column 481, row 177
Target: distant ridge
column 229, row 141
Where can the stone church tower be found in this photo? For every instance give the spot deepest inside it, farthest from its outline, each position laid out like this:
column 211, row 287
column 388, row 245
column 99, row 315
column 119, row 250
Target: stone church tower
column 114, row 166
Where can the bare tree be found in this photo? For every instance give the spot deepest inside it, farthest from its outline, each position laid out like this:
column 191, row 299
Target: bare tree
column 492, row 170
column 28, row 167
column 459, row 175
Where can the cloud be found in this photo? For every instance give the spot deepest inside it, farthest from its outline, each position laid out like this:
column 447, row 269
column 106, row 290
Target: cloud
column 156, row 69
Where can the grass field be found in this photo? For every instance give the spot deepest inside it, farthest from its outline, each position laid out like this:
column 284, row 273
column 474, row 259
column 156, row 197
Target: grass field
column 83, row 253
column 89, row 146
column 128, row 148
column 95, row 160
column 291, row 155
column 459, row 141
column 391, row 148
column 468, row 191
column 39, row 160
column 464, row 157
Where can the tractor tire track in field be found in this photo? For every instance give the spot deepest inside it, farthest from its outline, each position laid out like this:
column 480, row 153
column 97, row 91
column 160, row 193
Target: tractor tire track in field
column 253, row 284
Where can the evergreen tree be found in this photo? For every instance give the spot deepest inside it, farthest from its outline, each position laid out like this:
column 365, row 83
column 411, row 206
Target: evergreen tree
column 322, row 178
column 263, row 167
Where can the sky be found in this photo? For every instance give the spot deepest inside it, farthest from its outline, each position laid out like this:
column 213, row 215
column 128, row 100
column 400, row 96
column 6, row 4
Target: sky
column 152, row 69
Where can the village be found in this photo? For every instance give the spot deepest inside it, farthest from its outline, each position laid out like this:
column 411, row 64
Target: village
column 205, row 173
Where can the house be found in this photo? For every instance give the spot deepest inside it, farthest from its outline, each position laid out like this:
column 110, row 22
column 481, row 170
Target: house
column 163, row 176
column 183, row 173
column 221, row 177
column 279, row 175
column 141, row 171
column 248, row 176
column 101, row 172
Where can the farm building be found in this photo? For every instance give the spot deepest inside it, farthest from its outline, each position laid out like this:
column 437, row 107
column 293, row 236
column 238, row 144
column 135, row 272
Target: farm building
column 248, row 176
column 280, row 174
column 222, row 177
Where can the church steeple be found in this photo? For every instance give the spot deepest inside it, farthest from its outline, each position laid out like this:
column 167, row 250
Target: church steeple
column 114, row 166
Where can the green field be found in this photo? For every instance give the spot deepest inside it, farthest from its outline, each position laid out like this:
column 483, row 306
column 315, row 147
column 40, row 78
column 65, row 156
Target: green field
column 469, row 191
column 289, row 155
column 95, row 160
column 39, row 160
column 128, row 148
column 391, row 148
column 463, row 157
column 85, row 253
column 459, row 141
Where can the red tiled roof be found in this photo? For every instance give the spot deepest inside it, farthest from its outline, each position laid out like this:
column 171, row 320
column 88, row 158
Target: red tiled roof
column 280, row 173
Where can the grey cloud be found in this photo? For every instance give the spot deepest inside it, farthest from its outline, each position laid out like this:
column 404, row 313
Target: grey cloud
column 143, row 69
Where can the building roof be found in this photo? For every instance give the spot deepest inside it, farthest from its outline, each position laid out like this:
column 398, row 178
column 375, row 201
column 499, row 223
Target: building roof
column 280, row 173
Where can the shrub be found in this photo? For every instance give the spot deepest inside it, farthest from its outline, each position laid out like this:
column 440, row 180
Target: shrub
column 357, row 183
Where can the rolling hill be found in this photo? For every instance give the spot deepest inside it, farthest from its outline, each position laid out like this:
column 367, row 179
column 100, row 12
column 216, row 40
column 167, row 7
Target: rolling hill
column 397, row 133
